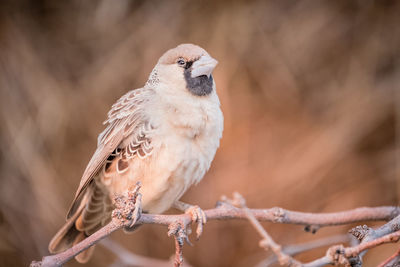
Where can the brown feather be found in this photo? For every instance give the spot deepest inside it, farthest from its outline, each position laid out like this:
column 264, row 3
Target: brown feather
column 97, row 212
column 93, row 213
column 67, row 234
column 123, row 119
column 189, row 52
column 122, row 165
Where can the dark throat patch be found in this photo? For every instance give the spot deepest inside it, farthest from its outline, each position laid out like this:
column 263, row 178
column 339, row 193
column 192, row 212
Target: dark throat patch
column 199, row 86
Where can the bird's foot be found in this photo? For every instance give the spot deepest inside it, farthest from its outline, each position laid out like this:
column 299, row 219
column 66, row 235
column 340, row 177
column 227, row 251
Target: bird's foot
column 181, row 232
column 129, row 207
column 199, row 217
column 137, row 209
column 196, row 213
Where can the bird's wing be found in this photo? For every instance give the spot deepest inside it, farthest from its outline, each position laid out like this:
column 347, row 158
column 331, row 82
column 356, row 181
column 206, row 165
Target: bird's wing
column 124, row 118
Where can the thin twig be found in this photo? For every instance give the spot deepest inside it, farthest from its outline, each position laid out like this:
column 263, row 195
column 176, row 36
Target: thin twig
column 391, row 258
column 296, row 249
column 339, row 255
column 61, row 258
column 267, row 242
column 178, row 251
column 123, row 215
column 390, row 227
column 390, row 238
column 127, row 258
column 394, row 259
column 366, row 234
column 325, row 260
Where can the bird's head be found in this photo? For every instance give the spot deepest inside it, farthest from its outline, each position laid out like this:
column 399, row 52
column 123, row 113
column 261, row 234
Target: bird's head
column 186, row 66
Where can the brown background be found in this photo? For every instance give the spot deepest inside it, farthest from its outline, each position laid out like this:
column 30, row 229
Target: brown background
column 309, row 90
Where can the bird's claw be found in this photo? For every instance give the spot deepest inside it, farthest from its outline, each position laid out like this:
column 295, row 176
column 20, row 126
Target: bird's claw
column 128, row 207
column 180, row 231
column 198, row 216
column 137, row 210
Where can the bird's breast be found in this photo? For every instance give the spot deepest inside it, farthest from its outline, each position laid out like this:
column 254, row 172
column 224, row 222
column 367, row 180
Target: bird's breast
column 188, row 137
column 184, row 142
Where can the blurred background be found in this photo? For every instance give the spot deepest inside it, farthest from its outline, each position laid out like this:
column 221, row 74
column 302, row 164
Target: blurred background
column 309, row 90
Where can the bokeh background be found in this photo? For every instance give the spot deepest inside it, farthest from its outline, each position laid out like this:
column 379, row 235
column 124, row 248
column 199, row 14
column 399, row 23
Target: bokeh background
column 309, row 90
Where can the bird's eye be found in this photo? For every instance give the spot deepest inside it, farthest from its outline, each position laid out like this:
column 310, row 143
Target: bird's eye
column 181, row 62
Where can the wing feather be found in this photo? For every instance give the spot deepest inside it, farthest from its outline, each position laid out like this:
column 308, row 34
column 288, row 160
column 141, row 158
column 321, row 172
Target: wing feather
column 125, row 117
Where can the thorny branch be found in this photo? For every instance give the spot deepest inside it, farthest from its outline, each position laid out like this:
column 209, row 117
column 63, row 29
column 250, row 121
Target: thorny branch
column 128, row 214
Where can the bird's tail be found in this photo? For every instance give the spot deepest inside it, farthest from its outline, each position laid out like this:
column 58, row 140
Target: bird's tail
column 93, row 213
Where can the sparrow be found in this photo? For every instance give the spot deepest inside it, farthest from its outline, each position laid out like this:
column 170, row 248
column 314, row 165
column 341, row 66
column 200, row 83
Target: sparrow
column 164, row 135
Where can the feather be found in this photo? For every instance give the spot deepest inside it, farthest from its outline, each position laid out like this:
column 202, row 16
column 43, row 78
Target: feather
column 124, row 118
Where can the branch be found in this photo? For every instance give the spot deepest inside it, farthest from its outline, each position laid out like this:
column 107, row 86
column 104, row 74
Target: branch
column 338, row 255
column 127, row 214
column 268, row 242
column 388, row 233
column 63, row 257
column 356, row 250
column 279, row 215
column 335, row 255
column 390, row 259
column 178, row 251
column 293, row 250
column 127, row 258
column 366, row 234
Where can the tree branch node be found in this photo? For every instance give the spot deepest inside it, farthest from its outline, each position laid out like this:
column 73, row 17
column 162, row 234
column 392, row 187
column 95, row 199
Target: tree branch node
column 279, row 214
column 312, row 228
column 360, row 232
column 337, row 255
column 128, row 208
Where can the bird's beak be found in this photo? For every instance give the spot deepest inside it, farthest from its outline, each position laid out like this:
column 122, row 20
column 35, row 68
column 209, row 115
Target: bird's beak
column 203, row 66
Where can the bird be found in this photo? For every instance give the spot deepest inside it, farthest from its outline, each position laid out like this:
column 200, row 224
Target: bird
column 164, row 135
